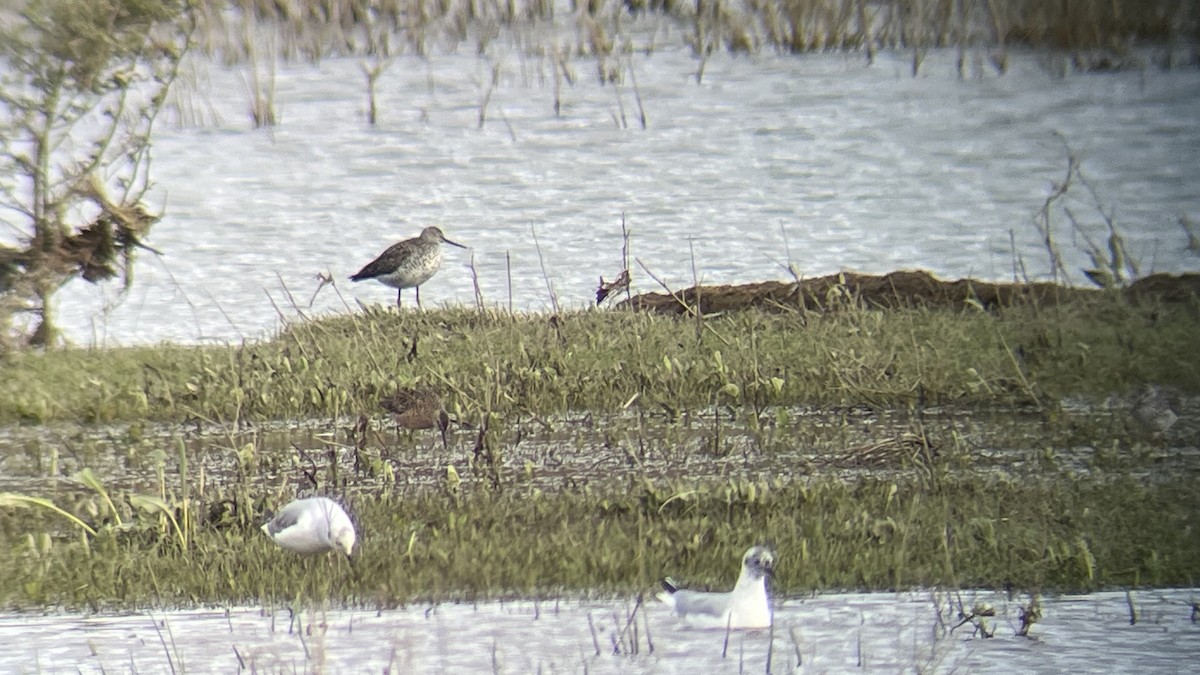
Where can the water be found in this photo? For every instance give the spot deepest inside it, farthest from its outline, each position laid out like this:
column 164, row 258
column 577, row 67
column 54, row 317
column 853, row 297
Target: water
column 883, row 633
column 841, row 164
column 845, row 165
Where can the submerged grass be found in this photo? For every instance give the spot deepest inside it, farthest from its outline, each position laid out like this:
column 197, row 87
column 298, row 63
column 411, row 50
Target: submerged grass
column 1055, row 533
column 487, row 362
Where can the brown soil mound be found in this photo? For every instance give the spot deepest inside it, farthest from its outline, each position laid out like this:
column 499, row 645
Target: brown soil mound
column 901, row 289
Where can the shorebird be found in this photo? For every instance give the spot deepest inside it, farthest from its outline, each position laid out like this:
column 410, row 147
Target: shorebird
column 1153, row 408
column 746, row 606
column 312, row 525
column 409, row 263
column 417, row 409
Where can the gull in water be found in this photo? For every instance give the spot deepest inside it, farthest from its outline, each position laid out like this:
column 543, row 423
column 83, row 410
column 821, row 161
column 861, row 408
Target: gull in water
column 746, row 606
column 312, row 525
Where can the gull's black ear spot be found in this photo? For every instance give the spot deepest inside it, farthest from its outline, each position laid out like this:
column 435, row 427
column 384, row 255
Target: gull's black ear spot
column 668, row 585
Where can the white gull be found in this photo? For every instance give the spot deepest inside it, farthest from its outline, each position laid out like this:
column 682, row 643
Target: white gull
column 312, row 525
column 746, row 606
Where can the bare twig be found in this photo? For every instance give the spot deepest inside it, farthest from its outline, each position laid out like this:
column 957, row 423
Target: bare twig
column 688, row 309
column 679, row 299
column 487, row 95
column 625, row 234
column 372, row 73
column 542, row 261
column 1043, row 224
column 637, row 95
column 475, row 282
column 323, row 279
column 508, row 273
column 696, row 287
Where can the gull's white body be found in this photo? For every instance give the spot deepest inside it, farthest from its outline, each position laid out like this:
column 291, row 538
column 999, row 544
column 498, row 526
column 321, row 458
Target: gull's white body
column 746, row 606
column 312, row 525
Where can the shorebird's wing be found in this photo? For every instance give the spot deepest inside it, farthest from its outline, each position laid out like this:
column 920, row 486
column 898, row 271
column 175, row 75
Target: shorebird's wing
column 398, row 403
column 395, row 256
column 412, row 399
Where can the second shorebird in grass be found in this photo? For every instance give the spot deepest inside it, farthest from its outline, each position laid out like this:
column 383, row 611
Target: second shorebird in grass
column 409, row 263
column 312, row 525
column 747, row 606
column 414, row 408
column 1155, row 407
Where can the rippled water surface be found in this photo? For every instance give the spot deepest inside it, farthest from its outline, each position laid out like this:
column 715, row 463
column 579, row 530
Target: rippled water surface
column 841, row 164
column 883, row 633
column 833, row 162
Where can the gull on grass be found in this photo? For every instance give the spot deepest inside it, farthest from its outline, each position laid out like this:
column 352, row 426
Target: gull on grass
column 312, row 525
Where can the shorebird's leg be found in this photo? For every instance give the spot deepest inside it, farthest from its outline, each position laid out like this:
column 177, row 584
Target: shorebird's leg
column 418, row 297
column 443, row 424
column 399, row 292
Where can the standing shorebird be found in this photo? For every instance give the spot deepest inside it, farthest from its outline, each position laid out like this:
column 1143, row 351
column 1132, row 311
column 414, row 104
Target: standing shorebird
column 746, row 606
column 1155, row 407
column 409, row 263
column 417, row 409
column 312, row 525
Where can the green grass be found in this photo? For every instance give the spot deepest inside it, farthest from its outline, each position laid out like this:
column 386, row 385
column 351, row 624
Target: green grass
column 1057, row 533
column 176, row 521
column 489, row 362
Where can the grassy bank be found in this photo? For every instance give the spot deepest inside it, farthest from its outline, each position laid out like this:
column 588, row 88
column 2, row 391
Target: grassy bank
column 488, row 362
column 1058, row 533
column 1054, row 500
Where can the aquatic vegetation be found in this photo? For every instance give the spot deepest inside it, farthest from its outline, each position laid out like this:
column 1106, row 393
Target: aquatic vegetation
column 1061, row 532
column 1098, row 34
column 595, row 451
column 74, row 142
column 10, row 501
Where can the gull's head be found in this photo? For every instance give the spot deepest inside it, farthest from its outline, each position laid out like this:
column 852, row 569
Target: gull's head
column 343, row 539
column 758, row 562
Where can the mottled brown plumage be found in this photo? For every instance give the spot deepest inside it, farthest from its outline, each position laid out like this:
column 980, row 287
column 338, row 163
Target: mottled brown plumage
column 414, row 408
column 1155, row 407
column 408, row 264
